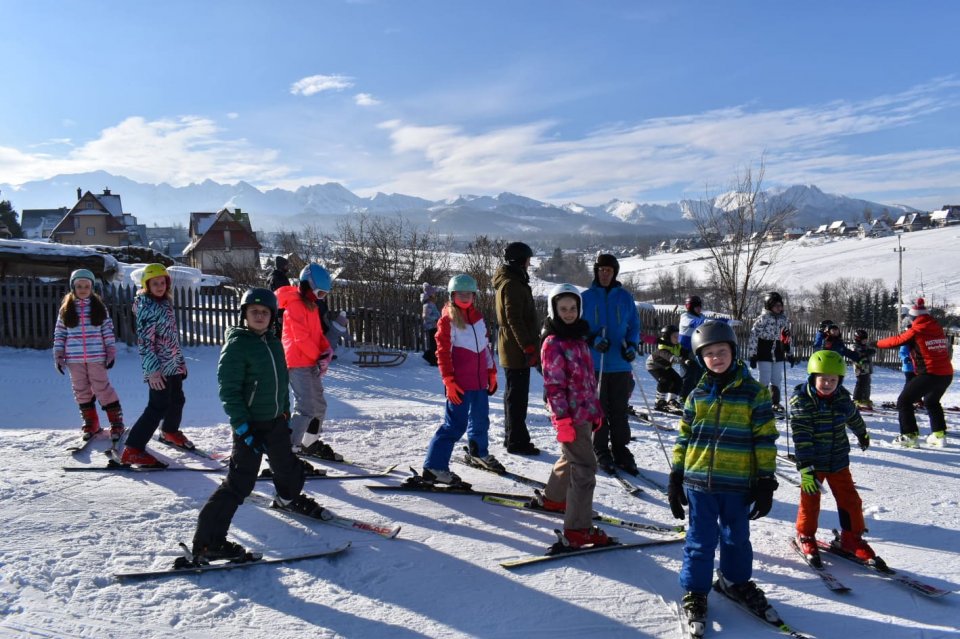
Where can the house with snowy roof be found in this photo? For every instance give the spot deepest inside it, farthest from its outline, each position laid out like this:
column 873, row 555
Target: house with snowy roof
column 947, row 216
column 875, row 228
column 98, row 219
column 221, row 242
column 38, row 224
column 911, row 222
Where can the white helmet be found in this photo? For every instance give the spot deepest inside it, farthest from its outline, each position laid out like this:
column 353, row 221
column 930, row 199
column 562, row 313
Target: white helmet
column 557, row 291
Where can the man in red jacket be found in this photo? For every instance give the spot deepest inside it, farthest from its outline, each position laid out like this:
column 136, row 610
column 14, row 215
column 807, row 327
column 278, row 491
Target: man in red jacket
column 930, row 351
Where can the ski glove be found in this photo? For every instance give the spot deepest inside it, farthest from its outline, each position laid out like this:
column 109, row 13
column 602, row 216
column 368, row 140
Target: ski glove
column 453, row 391
column 601, row 344
column 762, row 497
column 676, row 495
column 249, row 438
column 533, row 357
column 753, row 362
column 58, row 361
column 565, row 431
column 491, row 381
column 629, row 352
column 808, row 480
column 324, row 362
column 864, row 441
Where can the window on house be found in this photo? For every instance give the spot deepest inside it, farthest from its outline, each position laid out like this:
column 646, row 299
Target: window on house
column 91, row 230
column 226, row 240
column 88, row 205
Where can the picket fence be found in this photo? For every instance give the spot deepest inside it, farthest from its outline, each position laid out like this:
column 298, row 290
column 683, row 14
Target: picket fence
column 389, row 318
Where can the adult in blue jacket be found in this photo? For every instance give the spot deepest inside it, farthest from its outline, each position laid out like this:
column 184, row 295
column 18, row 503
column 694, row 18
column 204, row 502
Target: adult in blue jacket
column 614, row 336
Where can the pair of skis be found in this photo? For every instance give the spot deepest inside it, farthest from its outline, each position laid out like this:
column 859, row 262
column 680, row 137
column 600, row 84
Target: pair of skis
column 560, row 551
column 327, row 516
column 609, row 520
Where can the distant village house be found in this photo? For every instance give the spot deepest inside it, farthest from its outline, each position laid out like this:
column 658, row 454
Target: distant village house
column 221, row 242
column 947, row 216
column 98, row 219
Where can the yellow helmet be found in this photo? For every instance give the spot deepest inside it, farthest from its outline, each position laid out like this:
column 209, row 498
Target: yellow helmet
column 151, row 271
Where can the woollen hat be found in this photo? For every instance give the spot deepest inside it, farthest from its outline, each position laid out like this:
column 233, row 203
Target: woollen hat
column 918, row 309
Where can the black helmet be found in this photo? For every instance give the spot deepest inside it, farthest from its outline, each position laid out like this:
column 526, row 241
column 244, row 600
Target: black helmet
column 262, row 296
column 517, row 252
column 860, row 335
column 713, row 332
column 692, row 302
column 281, row 262
column 825, row 324
column 668, row 330
column 605, row 259
column 770, row 299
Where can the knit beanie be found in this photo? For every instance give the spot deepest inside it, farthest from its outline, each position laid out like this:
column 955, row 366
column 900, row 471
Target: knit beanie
column 919, row 308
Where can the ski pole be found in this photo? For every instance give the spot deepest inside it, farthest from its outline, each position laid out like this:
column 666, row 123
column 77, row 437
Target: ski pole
column 603, row 334
column 646, row 403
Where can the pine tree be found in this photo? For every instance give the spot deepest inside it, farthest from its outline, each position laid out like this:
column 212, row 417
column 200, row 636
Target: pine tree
column 8, row 217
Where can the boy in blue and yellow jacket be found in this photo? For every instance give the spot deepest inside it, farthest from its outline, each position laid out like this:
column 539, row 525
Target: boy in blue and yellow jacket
column 723, row 467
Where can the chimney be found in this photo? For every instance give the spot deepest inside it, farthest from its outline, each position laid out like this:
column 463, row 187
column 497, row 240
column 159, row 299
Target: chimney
column 106, row 191
column 79, row 194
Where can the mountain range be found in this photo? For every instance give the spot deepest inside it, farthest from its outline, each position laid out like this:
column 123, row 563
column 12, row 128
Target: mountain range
column 506, row 215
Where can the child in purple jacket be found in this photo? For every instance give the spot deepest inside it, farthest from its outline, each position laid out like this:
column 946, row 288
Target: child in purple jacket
column 571, row 389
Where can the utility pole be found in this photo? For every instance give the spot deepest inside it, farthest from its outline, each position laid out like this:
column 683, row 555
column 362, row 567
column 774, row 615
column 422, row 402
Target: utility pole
column 900, row 251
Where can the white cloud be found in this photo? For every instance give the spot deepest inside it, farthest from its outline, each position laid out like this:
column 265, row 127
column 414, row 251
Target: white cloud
column 318, row 83
column 365, row 99
column 233, row 115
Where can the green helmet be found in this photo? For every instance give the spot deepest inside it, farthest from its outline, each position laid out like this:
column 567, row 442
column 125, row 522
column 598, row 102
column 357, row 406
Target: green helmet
column 462, row 283
column 826, row 363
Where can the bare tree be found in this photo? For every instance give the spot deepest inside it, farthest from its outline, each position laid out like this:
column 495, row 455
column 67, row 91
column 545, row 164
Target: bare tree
column 736, row 228
column 481, row 260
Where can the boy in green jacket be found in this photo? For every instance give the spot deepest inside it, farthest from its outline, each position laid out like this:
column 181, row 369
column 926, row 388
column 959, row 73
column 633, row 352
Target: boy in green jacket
column 723, row 466
column 254, row 390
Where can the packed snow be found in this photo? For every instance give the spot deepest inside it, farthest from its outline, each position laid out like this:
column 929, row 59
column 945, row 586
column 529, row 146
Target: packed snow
column 67, row 533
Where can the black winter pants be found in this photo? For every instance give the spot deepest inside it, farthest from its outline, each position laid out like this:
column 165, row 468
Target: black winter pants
column 163, row 405
column 694, row 373
column 929, row 388
column 667, row 380
column 217, row 513
column 614, row 434
column 516, row 396
column 861, row 391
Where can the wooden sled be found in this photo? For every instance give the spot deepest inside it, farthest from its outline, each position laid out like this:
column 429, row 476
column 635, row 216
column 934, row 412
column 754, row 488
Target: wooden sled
column 371, row 355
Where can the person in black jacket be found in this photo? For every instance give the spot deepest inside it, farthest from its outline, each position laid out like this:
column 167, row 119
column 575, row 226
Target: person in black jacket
column 279, row 276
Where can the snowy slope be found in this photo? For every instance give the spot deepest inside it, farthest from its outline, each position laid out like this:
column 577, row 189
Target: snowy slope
column 63, row 534
column 929, row 263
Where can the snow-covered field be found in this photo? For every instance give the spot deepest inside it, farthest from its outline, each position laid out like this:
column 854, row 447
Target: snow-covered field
column 929, row 264
column 64, row 534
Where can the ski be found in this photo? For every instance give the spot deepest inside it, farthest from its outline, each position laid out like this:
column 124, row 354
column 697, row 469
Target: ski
column 828, row 579
column 115, row 467
column 631, row 489
column 687, row 628
column 327, row 516
column 84, row 441
column 265, row 476
column 470, row 460
column 556, row 552
column 196, row 451
column 191, row 569
column 609, row 520
column 343, row 462
column 643, row 416
column 418, row 484
column 880, row 567
column 769, row 616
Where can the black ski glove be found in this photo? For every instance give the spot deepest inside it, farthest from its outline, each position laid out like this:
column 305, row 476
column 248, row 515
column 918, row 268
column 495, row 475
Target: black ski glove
column 753, row 362
column 864, row 441
column 762, row 497
column 601, row 344
column 629, row 351
column 676, row 494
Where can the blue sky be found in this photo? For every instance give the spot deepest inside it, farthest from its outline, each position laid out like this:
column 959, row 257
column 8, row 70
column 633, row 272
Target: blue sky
column 554, row 99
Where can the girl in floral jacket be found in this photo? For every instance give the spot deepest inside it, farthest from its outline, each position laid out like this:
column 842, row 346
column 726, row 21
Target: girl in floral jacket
column 571, row 390
column 83, row 341
column 164, row 368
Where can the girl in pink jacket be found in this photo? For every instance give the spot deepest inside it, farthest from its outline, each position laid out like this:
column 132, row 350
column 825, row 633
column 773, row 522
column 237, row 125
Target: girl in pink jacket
column 571, row 389
column 84, row 343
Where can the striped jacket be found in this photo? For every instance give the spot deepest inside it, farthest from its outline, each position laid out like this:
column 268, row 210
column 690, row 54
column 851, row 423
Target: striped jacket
column 464, row 353
column 568, row 380
column 727, row 435
column 157, row 337
column 819, row 427
column 84, row 343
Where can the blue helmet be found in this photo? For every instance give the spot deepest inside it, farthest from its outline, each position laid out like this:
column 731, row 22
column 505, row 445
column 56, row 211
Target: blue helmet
column 82, row 274
column 317, row 277
column 462, row 283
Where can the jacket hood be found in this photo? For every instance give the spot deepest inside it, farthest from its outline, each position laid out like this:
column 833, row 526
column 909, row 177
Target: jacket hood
column 287, row 295
column 925, row 325
column 506, row 273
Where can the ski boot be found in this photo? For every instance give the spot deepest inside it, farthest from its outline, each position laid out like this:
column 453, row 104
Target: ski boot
column 937, row 439
column 605, row 463
column 138, row 457
column 629, row 466
column 854, row 544
column 808, row 546
column 748, row 595
column 218, row 550
column 176, row 439
column 437, row 476
column 594, row 537
column 301, row 505
column 115, row 416
column 906, row 440
column 321, row 450
column 660, row 404
column 694, row 606
column 91, row 421
column 540, row 501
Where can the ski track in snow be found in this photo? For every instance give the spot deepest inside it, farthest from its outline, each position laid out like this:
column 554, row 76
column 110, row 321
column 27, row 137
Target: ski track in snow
column 66, row 533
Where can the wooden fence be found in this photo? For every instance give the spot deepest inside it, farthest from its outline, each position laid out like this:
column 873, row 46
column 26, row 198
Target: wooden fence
column 389, row 317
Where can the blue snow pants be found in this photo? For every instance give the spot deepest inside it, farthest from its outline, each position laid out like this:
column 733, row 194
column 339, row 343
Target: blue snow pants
column 716, row 517
column 471, row 416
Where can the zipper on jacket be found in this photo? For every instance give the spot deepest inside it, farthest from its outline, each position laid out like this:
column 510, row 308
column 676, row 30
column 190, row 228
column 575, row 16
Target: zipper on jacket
column 253, row 393
column 276, row 380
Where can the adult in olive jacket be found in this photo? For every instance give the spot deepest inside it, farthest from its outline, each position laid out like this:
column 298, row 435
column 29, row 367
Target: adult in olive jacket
column 518, row 342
